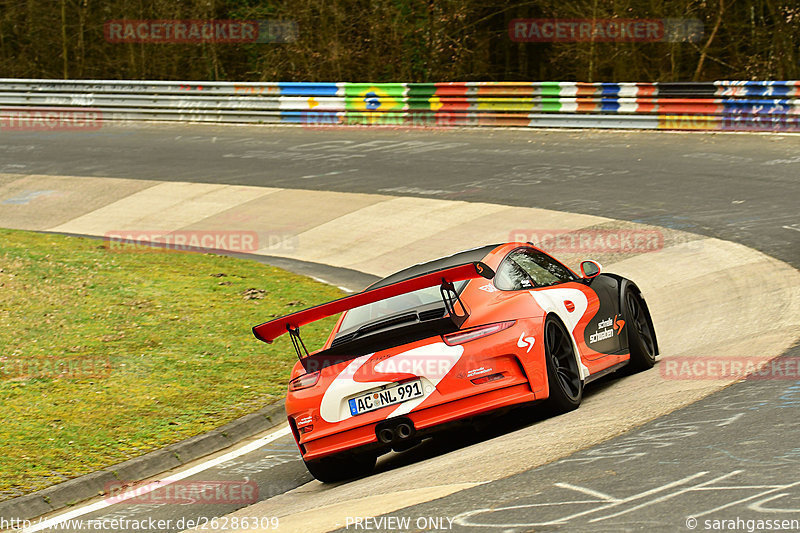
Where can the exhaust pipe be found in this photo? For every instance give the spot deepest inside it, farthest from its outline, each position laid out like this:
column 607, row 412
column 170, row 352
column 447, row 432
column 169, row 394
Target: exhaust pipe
column 386, row 435
column 399, row 434
column 403, row 431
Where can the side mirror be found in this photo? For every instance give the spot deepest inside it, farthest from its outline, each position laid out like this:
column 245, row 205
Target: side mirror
column 590, row 269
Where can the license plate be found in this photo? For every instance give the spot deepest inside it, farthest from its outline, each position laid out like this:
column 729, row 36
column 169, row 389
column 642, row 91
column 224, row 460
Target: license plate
column 393, row 394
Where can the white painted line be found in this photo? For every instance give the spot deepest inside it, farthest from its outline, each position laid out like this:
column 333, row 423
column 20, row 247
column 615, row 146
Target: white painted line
column 791, row 227
column 256, row 444
column 665, row 497
column 326, row 282
column 588, row 492
column 737, row 502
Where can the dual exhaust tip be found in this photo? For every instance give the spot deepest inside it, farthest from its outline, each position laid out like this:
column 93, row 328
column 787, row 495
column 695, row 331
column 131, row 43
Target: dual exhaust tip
column 399, row 432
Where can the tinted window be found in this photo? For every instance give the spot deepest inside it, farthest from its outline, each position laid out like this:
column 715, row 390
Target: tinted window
column 365, row 314
column 526, row 268
column 510, row 276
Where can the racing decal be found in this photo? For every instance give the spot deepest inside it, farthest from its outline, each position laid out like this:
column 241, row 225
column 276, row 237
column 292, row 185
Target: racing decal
column 606, row 329
column 330, row 408
column 443, row 359
column 554, row 301
column 602, row 333
column 489, row 288
column 431, row 362
column 525, row 342
column 476, row 372
column 304, row 421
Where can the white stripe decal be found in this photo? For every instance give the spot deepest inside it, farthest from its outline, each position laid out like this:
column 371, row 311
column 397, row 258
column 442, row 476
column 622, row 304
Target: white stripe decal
column 552, row 301
column 333, row 409
column 431, row 362
column 434, row 362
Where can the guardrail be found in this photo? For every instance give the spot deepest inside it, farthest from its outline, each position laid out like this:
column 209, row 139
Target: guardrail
column 720, row 105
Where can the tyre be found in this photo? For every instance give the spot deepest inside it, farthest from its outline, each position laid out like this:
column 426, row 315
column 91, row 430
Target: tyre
column 563, row 374
column 341, row 467
column 641, row 336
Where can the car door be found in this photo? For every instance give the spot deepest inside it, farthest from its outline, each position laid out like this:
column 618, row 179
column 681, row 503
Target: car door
column 589, row 310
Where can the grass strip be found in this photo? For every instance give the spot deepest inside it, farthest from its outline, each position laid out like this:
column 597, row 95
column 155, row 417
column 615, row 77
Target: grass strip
column 109, row 353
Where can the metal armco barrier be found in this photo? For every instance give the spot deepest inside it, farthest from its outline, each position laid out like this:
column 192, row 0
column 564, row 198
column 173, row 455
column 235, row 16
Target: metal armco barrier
column 720, row 105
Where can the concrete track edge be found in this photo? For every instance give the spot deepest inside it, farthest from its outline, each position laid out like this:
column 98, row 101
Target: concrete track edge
column 81, row 488
column 695, row 317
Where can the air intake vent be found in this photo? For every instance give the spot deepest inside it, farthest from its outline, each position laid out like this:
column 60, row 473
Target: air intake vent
column 431, row 314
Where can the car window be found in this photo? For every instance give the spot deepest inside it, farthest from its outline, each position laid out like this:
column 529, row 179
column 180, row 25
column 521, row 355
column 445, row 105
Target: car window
column 526, row 268
column 511, row 277
column 365, row 314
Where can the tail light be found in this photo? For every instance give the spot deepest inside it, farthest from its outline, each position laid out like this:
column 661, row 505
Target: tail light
column 460, row 337
column 303, row 382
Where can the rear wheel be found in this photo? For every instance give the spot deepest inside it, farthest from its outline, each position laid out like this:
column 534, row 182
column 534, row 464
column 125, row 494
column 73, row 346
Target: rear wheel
column 342, row 466
column 563, row 374
column 641, row 337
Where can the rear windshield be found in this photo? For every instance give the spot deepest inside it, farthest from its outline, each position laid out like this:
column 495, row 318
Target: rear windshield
column 359, row 316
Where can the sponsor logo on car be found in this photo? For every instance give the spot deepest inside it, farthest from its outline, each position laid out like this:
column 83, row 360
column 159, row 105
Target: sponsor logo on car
column 607, row 328
column 525, row 342
column 478, row 371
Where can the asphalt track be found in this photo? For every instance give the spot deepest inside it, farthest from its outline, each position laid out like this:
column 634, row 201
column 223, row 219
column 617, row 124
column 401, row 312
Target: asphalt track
column 732, row 456
column 737, row 187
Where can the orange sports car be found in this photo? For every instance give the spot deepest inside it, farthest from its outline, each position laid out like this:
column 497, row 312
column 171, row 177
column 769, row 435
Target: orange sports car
column 460, row 336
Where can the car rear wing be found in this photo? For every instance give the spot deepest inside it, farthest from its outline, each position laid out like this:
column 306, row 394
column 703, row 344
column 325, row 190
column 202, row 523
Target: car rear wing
column 446, row 277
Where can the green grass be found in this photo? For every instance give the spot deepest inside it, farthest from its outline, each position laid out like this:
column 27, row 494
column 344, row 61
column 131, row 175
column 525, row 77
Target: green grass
column 173, row 329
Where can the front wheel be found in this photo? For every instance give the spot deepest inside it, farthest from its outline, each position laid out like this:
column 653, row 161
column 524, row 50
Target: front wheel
column 641, row 337
column 563, row 374
column 341, row 466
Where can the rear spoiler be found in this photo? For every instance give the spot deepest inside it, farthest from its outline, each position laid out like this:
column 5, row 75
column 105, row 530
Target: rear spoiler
column 269, row 331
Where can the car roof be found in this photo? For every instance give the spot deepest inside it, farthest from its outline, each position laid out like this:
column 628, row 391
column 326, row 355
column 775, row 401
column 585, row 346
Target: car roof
column 466, row 256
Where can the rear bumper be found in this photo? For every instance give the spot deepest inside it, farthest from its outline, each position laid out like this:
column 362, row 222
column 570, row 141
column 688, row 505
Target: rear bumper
column 424, row 420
